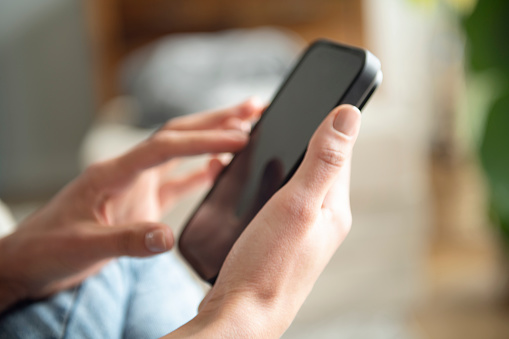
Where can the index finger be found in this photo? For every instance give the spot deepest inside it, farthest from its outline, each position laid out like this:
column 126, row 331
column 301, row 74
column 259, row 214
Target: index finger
column 248, row 110
column 161, row 147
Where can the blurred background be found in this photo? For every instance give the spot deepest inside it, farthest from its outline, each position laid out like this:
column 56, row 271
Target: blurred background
column 427, row 256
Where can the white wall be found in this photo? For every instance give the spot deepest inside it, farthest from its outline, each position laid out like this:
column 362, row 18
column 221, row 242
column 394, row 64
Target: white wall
column 46, row 98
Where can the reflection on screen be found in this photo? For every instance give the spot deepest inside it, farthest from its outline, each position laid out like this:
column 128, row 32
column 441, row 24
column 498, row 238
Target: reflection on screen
column 277, row 143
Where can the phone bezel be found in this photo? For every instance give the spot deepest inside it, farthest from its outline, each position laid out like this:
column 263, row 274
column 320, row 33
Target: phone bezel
column 358, row 93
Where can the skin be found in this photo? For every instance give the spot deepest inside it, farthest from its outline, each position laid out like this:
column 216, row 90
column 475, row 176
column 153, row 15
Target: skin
column 266, row 276
column 111, row 209
column 276, row 261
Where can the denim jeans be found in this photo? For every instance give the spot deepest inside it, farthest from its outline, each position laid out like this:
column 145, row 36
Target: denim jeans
column 129, row 298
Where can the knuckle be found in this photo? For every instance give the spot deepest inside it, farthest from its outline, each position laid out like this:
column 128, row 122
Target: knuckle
column 162, row 137
column 331, row 156
column 126, row 241
column 94, row 174
column 95, row 169
column 299, row 208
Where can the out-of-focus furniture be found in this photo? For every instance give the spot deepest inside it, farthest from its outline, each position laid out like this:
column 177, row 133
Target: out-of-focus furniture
column 120, row 26
column 46, row 95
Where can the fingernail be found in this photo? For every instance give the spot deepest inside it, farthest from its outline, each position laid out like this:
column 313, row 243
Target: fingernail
column 347, row 119
column 257, row 102
column 156, row 241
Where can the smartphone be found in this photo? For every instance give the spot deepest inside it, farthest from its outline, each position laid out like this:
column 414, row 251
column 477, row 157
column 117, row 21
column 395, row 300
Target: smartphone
column 328, row 74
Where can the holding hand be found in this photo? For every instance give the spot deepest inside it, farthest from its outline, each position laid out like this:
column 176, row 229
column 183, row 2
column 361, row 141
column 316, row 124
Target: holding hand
column 114, row 207
column 274, row 264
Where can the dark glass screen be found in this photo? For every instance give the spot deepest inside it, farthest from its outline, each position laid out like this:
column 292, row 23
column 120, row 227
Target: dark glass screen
column 277, row 143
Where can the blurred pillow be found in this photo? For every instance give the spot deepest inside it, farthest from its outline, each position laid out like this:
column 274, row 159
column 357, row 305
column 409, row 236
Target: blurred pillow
column 186, row 73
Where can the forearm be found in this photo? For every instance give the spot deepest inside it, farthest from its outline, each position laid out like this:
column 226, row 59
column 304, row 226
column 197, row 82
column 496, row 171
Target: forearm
column 7, row 297
column 10, row 293
column 260, row 311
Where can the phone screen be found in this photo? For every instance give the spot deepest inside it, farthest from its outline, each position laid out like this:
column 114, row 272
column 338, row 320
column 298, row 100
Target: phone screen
column 277, row 143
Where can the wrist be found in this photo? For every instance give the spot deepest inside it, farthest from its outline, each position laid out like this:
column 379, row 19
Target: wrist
column 247, row 315
column 234, row 316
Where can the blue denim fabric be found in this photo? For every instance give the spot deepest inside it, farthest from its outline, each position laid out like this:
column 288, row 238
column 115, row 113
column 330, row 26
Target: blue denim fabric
column 129, row 298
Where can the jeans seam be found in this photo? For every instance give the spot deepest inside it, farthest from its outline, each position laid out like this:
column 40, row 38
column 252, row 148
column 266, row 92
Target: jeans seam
column 67, row 316
column 134, row 276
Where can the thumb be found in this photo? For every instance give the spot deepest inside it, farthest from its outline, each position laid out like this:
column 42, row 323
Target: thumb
column 328, row 153
column 137, row 240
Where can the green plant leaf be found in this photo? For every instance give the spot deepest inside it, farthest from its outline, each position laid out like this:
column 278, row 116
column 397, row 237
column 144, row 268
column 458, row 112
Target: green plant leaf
column 487, row 30
column 494, row 153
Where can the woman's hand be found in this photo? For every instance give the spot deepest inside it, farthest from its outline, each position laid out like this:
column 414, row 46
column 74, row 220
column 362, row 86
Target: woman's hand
column 273, row 265
column 114, row 207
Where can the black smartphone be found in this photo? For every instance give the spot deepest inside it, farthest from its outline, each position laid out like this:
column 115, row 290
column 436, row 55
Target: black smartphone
column 328, row 74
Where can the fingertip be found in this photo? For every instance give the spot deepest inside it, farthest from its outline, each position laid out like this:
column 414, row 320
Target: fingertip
column 348, row 107
column 347, row 119
column 254, row 102
column 235, row 143
column 160, row 239
column 253, row 106
column 237, row 135
column 238, row 124
column 215, row 166
column 225, row 158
